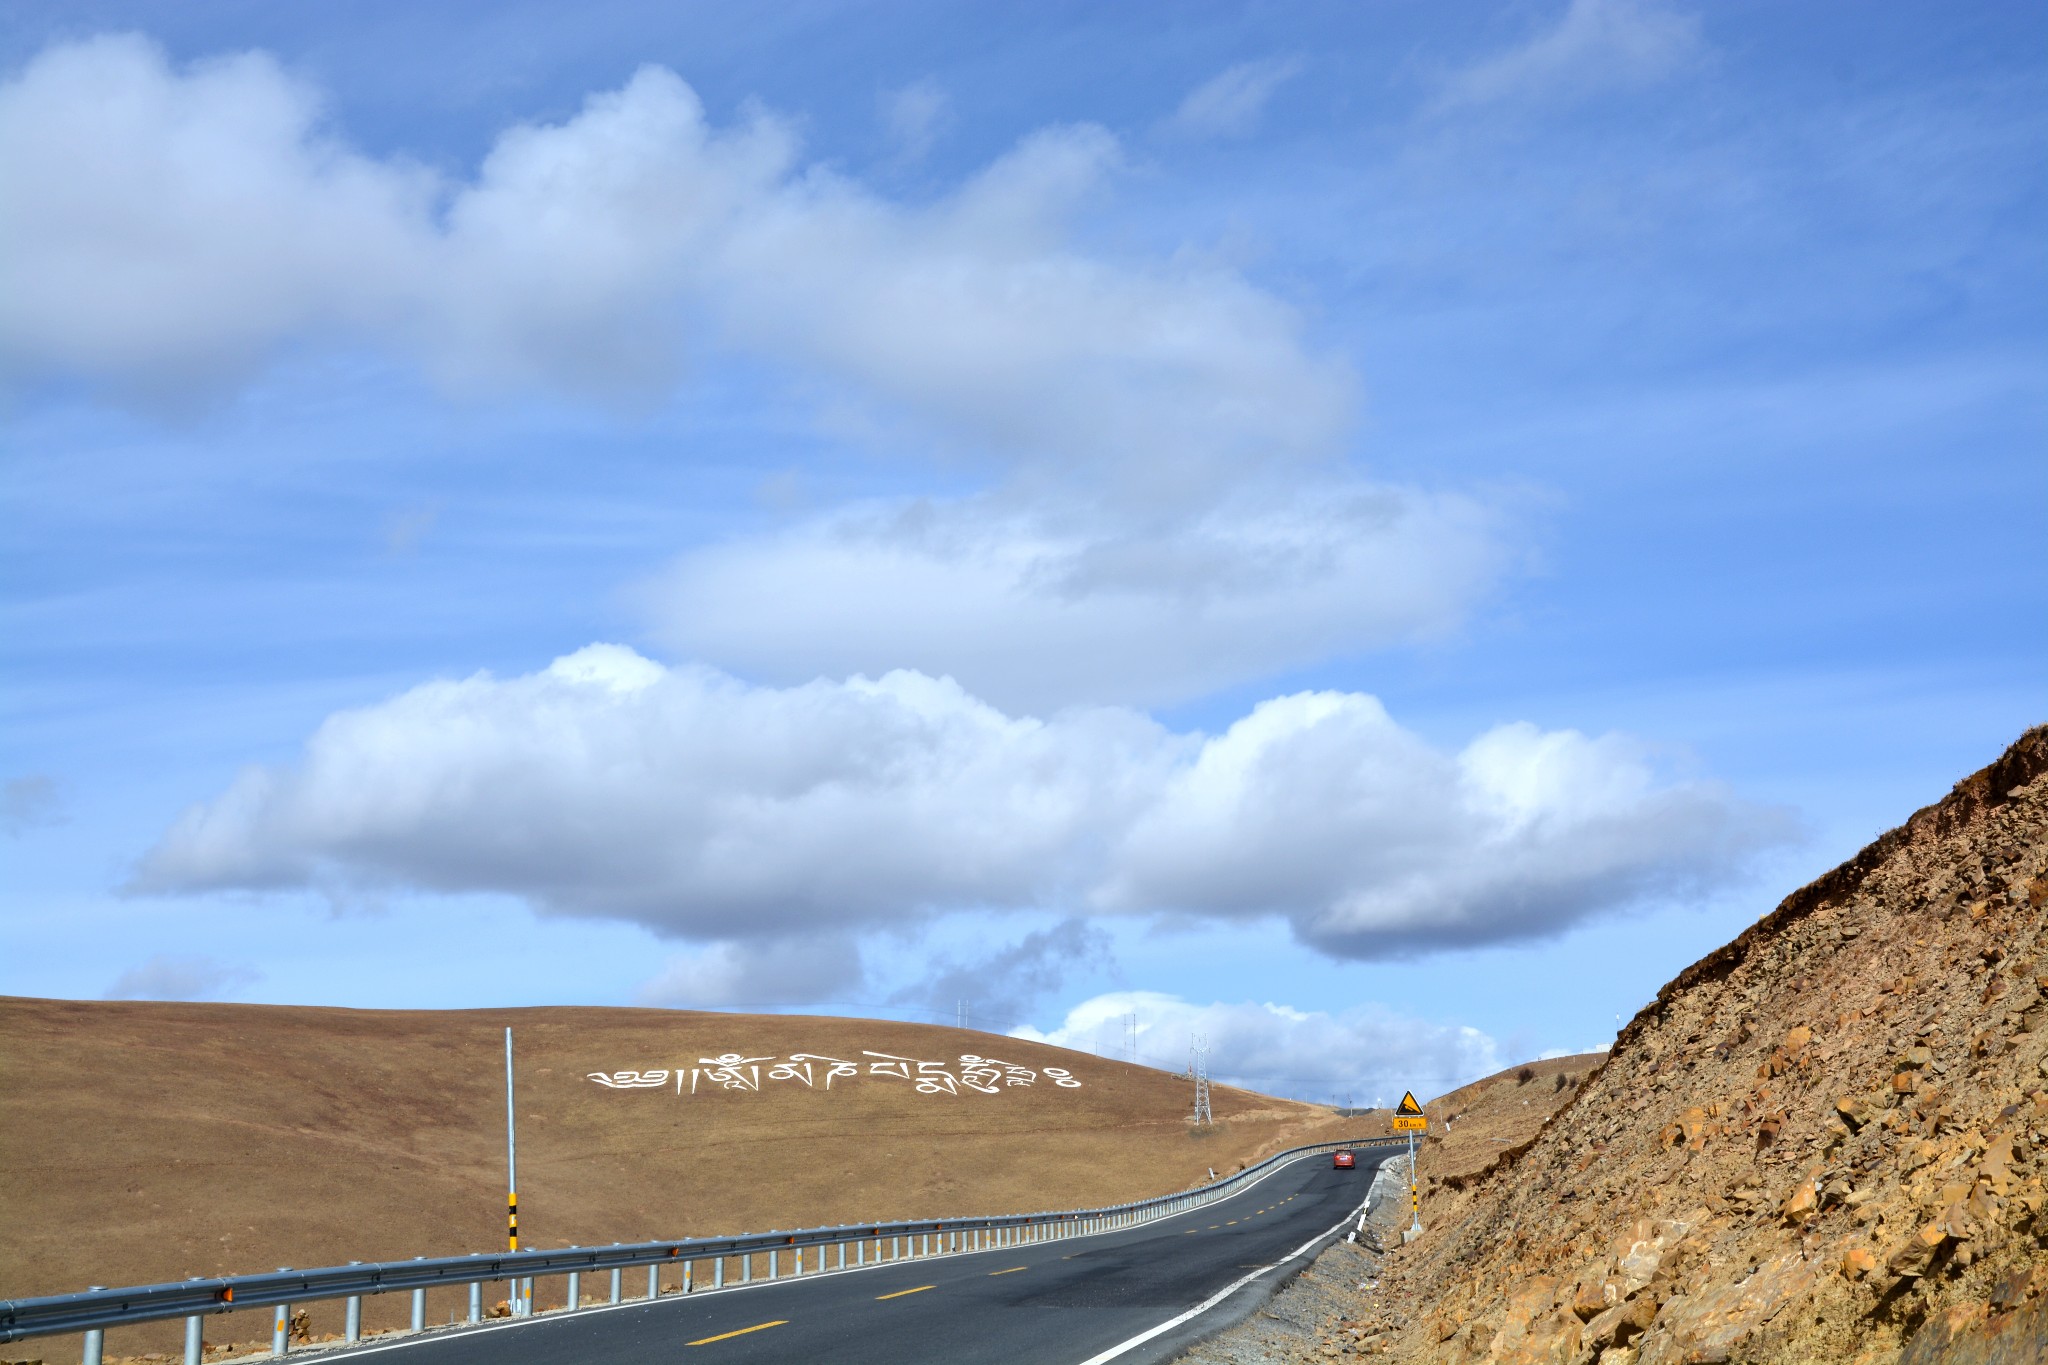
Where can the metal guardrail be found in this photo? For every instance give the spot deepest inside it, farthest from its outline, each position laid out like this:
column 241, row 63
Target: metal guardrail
column 95, row 1310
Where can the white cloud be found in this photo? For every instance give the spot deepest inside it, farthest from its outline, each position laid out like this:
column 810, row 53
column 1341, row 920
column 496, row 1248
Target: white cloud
column 167, row 231
column 798, row 970
column 914, row 115
column 708, row 808
column 1377, row 843
column 1049, row 604
column 1229, row 104
column 168, row 976
column 1595, row 45
column 1368, row 1055
column 162, row 228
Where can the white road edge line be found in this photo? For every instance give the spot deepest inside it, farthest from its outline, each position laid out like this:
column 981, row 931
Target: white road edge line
column 1218, row 1297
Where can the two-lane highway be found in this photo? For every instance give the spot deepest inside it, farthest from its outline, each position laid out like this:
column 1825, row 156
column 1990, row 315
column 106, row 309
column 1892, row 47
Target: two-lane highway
column 1054, row 1303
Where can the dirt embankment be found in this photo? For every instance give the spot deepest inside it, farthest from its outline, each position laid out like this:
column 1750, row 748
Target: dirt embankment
column 150, row 1142
column 1825, row 1141
column 1339, row 1305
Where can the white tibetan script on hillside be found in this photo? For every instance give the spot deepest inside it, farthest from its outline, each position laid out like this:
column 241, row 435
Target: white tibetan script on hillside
column 814, row 1071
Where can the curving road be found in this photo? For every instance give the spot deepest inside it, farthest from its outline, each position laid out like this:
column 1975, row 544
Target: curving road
column 1134, row 1296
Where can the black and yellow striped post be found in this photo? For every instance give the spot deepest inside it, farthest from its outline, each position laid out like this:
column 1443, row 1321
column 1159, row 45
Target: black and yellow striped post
column 511, row 1220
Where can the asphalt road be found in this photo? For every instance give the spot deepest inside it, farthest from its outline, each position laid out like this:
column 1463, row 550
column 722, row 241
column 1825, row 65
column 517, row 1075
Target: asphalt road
column 1057, row 1303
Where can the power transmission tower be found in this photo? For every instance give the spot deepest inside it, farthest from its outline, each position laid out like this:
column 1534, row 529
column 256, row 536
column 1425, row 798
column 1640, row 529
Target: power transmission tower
column 1198, row 1045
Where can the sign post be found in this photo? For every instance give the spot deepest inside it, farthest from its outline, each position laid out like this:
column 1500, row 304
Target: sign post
column 1409, row 1119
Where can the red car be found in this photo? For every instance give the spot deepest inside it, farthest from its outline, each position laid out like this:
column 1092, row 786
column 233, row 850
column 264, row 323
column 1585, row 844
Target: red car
column 1344, row 1161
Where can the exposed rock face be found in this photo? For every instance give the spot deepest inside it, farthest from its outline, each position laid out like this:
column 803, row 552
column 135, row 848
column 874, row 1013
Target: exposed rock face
column 1824, row 1142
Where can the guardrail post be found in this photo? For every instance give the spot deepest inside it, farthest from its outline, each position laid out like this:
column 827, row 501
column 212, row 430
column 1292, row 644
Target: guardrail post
column 618, row 1291
column 192, row 1342
column 774, row 1259
column 476, row 1301
column 354, row 1322
column 575, row 1290
column 842, row 1255
column 419, row 1306
column 747, row 1268
column 654, row 1281
column 718, row 1273
column 95, row 1340
column 281, row 1330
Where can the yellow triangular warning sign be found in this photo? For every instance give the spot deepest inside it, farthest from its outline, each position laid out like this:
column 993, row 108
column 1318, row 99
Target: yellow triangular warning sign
column 1408, row 1106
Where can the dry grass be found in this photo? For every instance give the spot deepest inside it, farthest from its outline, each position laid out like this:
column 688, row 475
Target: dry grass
column 147, row 1142
column 1497, row 1113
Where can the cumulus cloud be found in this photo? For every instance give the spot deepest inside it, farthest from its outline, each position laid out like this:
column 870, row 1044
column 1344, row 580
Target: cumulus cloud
column 1230, row 103
column 162, row 228
column 1378, row 843
column 796, row 970
column 1368, row 1055
column 709, row 808
column 168, row 976
column 1047, row 604
column 1594, row 45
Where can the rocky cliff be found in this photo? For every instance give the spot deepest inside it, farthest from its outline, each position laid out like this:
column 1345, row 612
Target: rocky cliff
column 1825, row 1141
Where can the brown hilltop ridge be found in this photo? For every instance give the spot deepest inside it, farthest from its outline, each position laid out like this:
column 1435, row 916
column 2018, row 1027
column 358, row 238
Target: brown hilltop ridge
column 1825, row 1141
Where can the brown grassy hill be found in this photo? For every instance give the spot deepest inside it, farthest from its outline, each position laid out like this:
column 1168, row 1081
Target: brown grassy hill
column 142, row 1142
column 1823, row 1142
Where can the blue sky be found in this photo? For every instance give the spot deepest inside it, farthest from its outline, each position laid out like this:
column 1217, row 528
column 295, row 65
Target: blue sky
column 1375, row 533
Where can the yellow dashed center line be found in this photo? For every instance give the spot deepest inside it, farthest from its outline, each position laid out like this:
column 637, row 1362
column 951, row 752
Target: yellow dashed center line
column 726, row 1336
column 901, row 1292
column 1011, row 1271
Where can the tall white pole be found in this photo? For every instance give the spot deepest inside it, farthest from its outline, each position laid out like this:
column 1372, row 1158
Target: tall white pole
column 511, row 1168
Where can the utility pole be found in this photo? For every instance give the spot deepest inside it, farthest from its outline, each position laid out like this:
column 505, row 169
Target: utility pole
column 1198, row 1047
column 1131, row 1038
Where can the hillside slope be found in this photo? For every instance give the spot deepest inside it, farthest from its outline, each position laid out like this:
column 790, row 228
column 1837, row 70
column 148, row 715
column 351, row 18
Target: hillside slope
column 1825, row 1141
column 146, row 1142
